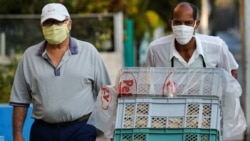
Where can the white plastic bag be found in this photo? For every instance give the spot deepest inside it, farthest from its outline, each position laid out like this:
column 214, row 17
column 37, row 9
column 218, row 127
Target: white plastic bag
column 104, row 113
column 234, row 122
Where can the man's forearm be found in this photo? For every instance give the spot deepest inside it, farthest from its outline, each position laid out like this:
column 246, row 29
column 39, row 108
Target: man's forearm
column 18, row 118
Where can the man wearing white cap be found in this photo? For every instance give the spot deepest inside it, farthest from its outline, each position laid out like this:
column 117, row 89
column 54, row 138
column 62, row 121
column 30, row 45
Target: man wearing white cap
column 60, row 76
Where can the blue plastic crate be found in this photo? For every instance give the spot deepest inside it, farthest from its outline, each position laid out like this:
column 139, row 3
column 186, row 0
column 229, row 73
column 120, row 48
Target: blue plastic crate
column 166, row 134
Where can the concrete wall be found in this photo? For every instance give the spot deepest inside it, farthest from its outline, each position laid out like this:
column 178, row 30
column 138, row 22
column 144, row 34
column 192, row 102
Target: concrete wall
column 114, row 62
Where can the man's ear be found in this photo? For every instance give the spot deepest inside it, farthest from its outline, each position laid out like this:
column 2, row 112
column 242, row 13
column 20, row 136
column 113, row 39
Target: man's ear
column 197, row 24
column 70, row 24
column 170, row 23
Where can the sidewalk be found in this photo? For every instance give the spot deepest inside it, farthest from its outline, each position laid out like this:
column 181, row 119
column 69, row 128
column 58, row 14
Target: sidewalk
column 101, row 137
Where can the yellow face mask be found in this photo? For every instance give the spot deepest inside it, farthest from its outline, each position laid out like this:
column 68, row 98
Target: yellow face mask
column 55, row 34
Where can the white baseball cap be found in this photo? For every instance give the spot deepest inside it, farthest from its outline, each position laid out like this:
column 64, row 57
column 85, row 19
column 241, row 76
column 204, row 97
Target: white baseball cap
column 55, row 11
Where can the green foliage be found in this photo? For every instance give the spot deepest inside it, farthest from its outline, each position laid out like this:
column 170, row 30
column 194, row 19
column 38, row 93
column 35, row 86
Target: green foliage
column 133, row 9
column 7, row 73
column 22, row 6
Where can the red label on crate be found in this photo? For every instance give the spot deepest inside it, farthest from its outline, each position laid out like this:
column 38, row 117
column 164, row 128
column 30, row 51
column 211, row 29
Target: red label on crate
column 169, row 87
column 105, row 97
column 127, row 84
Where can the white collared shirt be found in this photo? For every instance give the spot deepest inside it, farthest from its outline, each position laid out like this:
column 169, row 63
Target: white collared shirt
column 213, row 49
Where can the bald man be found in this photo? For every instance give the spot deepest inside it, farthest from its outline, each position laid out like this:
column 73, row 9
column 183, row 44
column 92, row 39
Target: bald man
column 186, row 48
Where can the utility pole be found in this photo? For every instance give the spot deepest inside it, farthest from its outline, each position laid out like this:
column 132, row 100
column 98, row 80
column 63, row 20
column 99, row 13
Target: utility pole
column 2, row 44
column 245, row 36
column 205, row 12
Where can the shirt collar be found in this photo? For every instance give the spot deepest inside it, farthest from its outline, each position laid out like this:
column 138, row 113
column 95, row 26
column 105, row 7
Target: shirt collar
column 72, row 47
column 173, row 52
column 199, row 46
